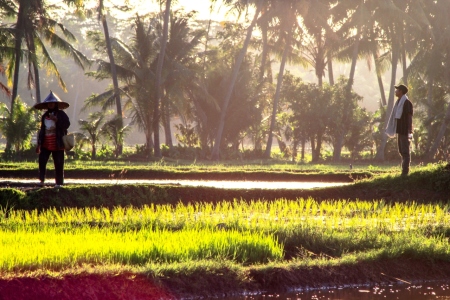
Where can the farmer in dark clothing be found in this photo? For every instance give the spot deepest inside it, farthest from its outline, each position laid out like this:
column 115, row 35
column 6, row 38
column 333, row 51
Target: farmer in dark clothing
column 54, row 124
column 400, row 124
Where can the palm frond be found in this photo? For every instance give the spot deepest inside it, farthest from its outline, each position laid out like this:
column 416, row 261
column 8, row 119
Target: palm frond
column 105, row 100
column 5, row 90
column 9, row 8
column 52, row 24
column 104, row 71
column 51, row 65
column 57, row 42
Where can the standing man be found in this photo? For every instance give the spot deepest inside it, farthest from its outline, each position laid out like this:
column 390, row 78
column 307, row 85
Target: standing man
column 400, row 123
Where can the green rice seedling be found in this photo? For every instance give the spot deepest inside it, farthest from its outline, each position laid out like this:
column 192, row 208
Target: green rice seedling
column 334, row 228
column 55, row 248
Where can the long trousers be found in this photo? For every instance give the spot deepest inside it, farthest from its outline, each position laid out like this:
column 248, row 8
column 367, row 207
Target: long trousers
column 58, row 161
column 405, row 152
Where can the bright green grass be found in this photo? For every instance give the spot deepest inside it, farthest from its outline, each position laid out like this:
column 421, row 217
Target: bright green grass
column 54, row 248
column 254, row 232
column 241, row 215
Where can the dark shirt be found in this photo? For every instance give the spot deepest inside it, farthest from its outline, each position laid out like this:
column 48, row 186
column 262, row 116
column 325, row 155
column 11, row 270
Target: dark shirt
column 403, row 126
column 62, row 125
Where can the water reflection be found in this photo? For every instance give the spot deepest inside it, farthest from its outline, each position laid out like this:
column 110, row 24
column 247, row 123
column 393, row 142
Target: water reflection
column 391, row 292
column 206, row 183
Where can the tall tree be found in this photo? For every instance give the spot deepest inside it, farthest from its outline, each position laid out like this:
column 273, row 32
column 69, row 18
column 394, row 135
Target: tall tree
column 180, row 68
column 102, row 18
column 393, row 22
column 289, row 32
column 33, row 26
column 135, row 65
column 158, row 88
column 215, row 154
column 320, row 38
column 93, row 128
column 354, row 29
column 437, row 62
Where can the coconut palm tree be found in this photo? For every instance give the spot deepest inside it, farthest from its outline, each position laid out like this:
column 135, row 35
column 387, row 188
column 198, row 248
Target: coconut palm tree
column 102, row 18
column 319, row 38
column 27, row 30
column 92, row 127
column 393, row 21
column 158, row 81
column 432, row 63
column 18, row 126
column 135, row 65
column 216, row 149
column 114, row 130
column 34, row 27
column 289, row 32
column 180, row 69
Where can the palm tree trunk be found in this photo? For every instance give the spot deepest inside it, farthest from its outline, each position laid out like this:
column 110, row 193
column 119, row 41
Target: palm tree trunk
column 354, row 61
column 294, row 149
column 208, row 29
column 303, row 149
column 277, row 97
column 317, row 149
column 330, row 68
column 37, row 84
column 265, row 48
column 18, row 55
column 429, row 112
column 339, row 143
column 320, row 81
column 395, row 56
column 441, row 133
column 93, row 151
column 166, row 120
column 313, row 146
column 202, row 123
column 114, row 76
column 149, row 141
column 404, row 66
column 379, row 78
column 216, row 149
column 162, row 54
column 320, row 60
column 18, row 58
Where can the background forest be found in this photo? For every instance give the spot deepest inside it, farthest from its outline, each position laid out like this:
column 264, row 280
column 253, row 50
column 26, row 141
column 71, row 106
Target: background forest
column 315, row 78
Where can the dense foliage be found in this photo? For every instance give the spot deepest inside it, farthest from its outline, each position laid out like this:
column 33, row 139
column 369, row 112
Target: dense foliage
column 220, row 93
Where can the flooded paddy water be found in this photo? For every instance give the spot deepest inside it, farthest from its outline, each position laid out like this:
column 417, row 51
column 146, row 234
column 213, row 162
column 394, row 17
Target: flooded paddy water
column 225, row 184
column 424, row 291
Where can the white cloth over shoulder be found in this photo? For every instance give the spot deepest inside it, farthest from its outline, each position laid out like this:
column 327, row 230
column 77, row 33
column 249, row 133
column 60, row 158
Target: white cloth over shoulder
column 397, row 112
column 49, row 123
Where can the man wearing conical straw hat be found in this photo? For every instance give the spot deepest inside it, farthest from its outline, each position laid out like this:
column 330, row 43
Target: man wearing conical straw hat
column 54, row 125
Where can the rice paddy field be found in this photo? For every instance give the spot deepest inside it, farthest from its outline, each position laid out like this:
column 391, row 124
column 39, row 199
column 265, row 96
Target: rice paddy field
column 245, row 233
column 238, row 244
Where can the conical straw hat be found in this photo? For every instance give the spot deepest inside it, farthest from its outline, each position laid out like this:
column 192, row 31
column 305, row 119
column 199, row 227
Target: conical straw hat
column 52, row 98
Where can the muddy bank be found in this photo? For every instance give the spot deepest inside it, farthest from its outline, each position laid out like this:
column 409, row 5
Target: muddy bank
column 82, row 287
column 195, row 175
column 28, row 197
column 220, row 282
column 421, row 186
